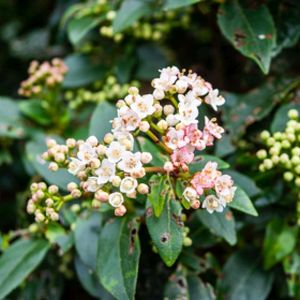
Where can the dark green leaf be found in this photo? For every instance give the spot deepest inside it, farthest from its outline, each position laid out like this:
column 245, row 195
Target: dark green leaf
column 166, row 231
column 118, row 257
column 291, row 266
column 176, row 287
column 243, row 277
column 250, row 30
column 129, row 12
column 244, row 182
column 242, row 202
column 173, row 4
column 86, row 238
column 78, row 28
column 18, row 261
column 220, row 224
column 89, row 280
column 199, row 290
column 34, row 110
column 82, row 71
column 100, row 122
column 280, row 241
column 281, row 117
column 159, row 192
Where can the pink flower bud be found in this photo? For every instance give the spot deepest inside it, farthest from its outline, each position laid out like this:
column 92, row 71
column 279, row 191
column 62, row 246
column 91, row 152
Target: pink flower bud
column 120, row 211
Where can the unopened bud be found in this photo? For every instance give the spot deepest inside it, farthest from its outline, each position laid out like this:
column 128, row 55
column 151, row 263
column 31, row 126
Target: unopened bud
column 146, row 157
column 168, row 167
column 92, row 140
column 71, row 143
column 143, row 188
column 120, row 211
column 53, row 166
column 144, row 126
column 108, row 138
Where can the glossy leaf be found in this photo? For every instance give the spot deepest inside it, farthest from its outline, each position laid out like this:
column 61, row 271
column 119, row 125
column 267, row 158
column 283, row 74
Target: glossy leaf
column 129, row 12
column 250, row 30
column 159, row 192
column 199, row 290
column 100, row 122
column 78, row 28
column 220, row 224
column 176, row 287
column 18, row 261
column 86, row 238
column 244, row 182
column 173, row 4
column 118, row 257
column 89, row 280
column 243, row 277
column 34, row 110
column 280, row 241
column 82, row 71
column 242, row 202
column 166, row 231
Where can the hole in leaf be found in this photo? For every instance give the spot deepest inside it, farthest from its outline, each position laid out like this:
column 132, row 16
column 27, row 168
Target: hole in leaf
column 165, row 237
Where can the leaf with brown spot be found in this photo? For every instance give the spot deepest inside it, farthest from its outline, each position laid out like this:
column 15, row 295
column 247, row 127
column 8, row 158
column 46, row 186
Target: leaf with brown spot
column 167, row 231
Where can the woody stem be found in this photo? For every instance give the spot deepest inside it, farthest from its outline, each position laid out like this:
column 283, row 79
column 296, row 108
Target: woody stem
column 155, row 170
column 156, row 140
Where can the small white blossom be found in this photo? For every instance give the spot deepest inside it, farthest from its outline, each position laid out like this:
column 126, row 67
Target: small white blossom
column 113, row 152
column 212, row 203
column 115, row 199
column 86, row 152
column 128, row 185
column 131, row 162
column 190, row 194
column 214, row 100
column 106, row 172
column 130, row 119
column 187, row 114
column 75, row 166
column 92, row 184
column 143, row 106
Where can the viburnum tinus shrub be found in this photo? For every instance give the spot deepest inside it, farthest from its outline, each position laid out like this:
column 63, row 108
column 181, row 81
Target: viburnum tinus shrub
column 151, row 168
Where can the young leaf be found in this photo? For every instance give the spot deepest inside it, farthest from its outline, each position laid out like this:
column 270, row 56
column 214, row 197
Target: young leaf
column 34, row 110
column 118, row 257
column 280, row 241
column 242, row 202
column 250, row 30
column 158, row 194
column 129, row 12
column 82, row 71
column 100, row 121
column 244, row 278
column 220, row 224
column 78, row 28
column 18, row 261
column 86, row 242
column 166, row 231
column 89, row 280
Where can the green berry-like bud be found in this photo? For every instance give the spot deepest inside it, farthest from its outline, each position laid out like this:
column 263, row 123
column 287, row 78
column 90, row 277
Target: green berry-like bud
column 277, row 136
column 187, row 242
column 293, row 114
column 268, row 164
column 295, row 160
column 265, row 135
column 33, row 228
column 286, row 144
column 297, row 169
column 261, row 154
column 262, row 168
column 297, row 181
column 270, row 141
column 275, row 159
column 296, row 151
column 284, row 158
column 288, row 176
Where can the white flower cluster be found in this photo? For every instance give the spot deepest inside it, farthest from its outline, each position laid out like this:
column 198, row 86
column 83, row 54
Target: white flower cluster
column 110, row 170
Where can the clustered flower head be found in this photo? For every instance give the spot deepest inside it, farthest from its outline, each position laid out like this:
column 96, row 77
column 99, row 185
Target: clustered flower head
column 111, row 171
column 106, row 90
column 44, row 202
column 43, row 75
column 283, row 150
